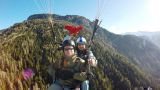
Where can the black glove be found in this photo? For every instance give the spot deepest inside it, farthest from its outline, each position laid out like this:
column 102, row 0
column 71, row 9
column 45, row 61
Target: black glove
column 90, row 75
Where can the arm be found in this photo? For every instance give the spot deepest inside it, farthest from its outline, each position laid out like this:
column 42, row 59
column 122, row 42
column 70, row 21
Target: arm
column 92, row 59
column 81, row 74
column 53, row 67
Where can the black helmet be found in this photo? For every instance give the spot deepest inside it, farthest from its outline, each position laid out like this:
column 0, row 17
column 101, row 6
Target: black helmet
column 68, row 43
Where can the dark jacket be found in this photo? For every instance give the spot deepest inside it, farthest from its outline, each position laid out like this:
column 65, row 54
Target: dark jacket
column 85, row 54
column 70, row 71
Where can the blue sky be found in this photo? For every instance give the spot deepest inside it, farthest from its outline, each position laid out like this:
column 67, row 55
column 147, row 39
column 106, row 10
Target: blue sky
column 118, row 16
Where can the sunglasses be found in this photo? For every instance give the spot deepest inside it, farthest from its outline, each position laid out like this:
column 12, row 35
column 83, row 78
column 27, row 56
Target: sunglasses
column 66, row 49
column 81, row 43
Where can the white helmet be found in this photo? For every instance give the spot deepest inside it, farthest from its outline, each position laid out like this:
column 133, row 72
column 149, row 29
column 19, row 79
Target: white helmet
column 67, row 38
column 81, row 40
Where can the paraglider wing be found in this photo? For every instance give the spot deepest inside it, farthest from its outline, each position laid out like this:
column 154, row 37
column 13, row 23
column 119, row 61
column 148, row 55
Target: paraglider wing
column 69, row 28
column 73, row 30
column 78, row 28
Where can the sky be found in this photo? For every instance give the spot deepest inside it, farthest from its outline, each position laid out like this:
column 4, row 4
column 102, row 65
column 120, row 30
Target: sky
column 118, row 16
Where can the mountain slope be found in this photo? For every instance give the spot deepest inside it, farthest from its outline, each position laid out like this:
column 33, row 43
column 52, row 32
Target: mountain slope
column 140, row 51
column 70, row 18
column 32, row 44
column 154, row 37
column 1, row 31
column 143, row 52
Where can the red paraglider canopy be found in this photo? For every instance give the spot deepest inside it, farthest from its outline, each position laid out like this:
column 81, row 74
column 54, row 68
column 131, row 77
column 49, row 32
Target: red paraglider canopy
column 73, row 30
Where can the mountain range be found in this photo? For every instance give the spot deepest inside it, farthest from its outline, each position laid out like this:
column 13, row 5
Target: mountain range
column 139, row 49
column 33, row 44
column 154, row 37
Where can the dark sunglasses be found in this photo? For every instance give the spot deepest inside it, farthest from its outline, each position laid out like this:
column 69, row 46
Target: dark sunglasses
column 81, row 43
column 66, row 49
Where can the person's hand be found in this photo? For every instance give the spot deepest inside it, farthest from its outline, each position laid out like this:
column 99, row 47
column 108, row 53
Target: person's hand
column 92, row 62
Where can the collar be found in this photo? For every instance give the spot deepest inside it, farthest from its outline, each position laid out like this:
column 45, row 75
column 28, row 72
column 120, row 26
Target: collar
column 73, row 58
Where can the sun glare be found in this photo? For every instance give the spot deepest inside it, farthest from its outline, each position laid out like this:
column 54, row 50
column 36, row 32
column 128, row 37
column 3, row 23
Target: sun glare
column 154, row 8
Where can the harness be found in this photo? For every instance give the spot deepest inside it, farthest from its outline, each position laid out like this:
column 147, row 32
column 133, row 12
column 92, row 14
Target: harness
column 67, row 74
column 83, row 54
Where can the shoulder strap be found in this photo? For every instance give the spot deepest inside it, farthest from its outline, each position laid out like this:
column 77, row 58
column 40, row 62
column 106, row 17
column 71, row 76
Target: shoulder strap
column 62, row 63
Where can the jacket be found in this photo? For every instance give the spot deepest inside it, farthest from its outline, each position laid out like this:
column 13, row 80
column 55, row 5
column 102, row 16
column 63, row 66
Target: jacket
column 69, row 71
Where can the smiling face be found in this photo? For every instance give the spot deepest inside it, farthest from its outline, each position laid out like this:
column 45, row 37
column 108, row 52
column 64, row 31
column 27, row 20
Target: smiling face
column 68, row 51
column 81, row 47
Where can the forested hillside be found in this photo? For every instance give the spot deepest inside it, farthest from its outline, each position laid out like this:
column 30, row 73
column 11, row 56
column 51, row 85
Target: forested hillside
column 33, row 44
